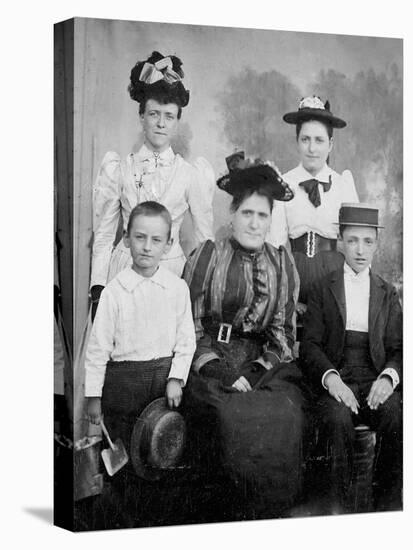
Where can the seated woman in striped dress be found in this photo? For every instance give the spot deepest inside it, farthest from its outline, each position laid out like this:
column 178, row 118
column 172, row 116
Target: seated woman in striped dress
column 244, row 399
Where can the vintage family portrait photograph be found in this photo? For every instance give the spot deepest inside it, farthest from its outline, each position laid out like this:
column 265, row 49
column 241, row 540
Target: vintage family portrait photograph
column 228, row 274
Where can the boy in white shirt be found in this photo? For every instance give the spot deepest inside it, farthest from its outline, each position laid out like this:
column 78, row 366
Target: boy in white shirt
column 143, row 339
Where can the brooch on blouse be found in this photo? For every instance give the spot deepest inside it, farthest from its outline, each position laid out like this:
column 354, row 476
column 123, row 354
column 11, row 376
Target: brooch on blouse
column 150, row 166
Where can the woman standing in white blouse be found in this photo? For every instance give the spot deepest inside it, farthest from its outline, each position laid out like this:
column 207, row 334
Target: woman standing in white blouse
column 155, row 172
column 312, row 214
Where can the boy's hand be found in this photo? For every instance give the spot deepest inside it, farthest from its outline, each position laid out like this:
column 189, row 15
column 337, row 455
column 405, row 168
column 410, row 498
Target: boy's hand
column 173, row 392
column 341, row 392
column 94, row 409
column 380, row 391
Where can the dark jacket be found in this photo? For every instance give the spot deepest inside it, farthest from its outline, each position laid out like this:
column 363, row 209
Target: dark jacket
column 322, row 345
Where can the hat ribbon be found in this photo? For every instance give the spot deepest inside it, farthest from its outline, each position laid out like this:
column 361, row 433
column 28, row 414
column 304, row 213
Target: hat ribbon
column 161, row 70
column 311, row 188
column 311, row 102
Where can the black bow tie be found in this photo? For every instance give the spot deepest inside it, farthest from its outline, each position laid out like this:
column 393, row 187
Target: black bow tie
column 311, row 188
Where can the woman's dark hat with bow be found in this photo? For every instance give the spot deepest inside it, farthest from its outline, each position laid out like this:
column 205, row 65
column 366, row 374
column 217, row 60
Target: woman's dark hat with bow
column 246, row 174
column 360, row 214
column 312, row 108
column 159, row 75
column 158, row 440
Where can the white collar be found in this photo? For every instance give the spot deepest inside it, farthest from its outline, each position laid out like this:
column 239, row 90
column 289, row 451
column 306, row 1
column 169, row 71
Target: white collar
column 323, row 175
column 350, row 274
column 129, row 279
column 145, row 153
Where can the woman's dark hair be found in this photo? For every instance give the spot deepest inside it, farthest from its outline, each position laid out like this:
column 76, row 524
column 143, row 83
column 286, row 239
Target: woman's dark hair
column 162, row 96
column 161, row 91
column 240, row 196
column 327, row 126
column 150, row 208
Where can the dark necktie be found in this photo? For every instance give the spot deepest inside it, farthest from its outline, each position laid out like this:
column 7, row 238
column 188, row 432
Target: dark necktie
column 311, row 188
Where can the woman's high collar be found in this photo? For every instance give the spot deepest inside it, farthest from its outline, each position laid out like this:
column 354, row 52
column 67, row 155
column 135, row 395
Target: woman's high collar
column 145, row 153
column 322, row 175
column 245, row 251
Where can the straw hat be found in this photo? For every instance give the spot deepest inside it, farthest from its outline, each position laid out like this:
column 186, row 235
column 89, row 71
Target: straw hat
column 158, row 440
column 360, row 214
column 312, row 108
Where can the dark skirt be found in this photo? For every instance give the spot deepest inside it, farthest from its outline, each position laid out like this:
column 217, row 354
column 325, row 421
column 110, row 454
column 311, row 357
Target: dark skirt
column 129, row 387
column 313, row 269
column 255, row 438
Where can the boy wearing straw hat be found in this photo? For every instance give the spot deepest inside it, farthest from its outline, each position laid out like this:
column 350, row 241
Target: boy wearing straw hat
column 352, row 353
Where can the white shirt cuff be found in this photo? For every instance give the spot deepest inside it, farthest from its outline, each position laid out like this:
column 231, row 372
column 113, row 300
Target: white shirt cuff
column 93, row 391
column 393, row 375
column 178, row 380
column 324, row 377
column 180, row 369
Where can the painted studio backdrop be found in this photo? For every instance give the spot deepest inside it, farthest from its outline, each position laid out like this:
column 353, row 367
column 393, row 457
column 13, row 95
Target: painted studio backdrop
column 241, row 82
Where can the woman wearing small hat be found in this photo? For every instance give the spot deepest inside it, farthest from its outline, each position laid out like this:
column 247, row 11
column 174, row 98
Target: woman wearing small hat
column 318, row 193
column 244, row 395
column 154, row 172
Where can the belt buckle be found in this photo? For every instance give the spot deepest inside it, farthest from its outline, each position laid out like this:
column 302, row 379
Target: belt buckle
column 310, row 250
column 224, row 333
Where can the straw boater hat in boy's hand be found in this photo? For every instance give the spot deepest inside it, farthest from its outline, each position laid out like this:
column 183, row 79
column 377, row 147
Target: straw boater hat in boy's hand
column 158, row 440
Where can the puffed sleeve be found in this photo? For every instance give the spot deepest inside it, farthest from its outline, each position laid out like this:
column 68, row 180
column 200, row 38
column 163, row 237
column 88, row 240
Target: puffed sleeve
column 206, row 177
column 348, row 187
column 278, row 234
column 106, row 213
column 197, row 274
column 281, row 331
column 200, row 195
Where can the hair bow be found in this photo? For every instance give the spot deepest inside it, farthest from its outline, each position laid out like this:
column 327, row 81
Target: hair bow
column 161, row 70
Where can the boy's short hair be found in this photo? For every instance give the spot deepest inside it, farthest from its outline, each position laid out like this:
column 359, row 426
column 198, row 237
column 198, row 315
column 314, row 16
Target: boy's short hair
column 150, row 208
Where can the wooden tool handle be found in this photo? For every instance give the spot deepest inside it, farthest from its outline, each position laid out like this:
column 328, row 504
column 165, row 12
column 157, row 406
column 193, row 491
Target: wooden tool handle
column 112, row 446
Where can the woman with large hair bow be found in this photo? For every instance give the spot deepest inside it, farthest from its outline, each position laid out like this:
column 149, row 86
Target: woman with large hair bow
column 155, row 172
